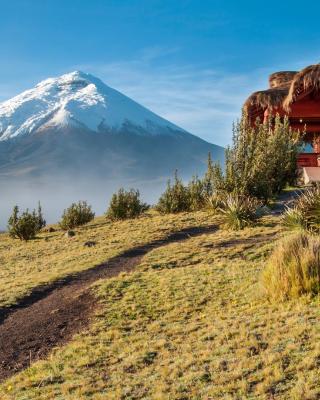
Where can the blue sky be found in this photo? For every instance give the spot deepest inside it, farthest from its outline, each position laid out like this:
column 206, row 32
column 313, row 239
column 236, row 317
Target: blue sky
column 193, row 62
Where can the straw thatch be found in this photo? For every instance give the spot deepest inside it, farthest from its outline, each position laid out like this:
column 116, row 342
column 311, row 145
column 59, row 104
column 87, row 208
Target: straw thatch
column 271, row 98
column 282, row 78
column 305, row 81
column 285, row 88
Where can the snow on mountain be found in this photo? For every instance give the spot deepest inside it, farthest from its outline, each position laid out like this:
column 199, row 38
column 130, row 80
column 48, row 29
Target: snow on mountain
column 76, row 98
column 73, row 137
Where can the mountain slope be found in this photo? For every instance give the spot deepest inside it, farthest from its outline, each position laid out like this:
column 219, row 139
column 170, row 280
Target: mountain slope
column 80, row 100
column 75, row 132
column 77, row 120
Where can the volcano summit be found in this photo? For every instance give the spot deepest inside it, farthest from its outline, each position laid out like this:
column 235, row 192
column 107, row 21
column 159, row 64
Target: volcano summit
column 73, row 136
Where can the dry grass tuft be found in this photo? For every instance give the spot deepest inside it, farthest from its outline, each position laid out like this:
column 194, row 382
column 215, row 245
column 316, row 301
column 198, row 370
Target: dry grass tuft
column 293, row 268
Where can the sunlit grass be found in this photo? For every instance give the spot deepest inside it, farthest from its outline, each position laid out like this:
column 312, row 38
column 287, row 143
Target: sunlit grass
column 293, row 269
column 189, row 323
column 25, row 265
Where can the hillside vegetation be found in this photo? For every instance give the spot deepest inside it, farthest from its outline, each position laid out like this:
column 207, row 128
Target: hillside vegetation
column 52, row 255
column 189, row 323
column 219, row 309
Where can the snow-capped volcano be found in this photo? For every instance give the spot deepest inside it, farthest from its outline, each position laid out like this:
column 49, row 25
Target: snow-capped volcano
column 77, row 99
column 73, row 137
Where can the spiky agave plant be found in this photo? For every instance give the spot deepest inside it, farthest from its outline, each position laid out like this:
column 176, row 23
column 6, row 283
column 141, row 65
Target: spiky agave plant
column 305, row 213
column 239, row 210
column 214, row 202
column 293, row 219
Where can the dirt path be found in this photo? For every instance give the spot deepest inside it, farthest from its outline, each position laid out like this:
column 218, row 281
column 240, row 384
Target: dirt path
column 286, row 199
column 52, row 314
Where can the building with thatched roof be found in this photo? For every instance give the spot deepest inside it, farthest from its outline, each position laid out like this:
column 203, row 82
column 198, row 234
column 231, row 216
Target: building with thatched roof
column 297, row 95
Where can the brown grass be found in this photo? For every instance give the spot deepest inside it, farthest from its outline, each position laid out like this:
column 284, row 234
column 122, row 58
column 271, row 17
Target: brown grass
column 293, row 268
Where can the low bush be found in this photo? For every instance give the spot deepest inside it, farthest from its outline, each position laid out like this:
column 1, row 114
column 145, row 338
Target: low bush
column 27, row 225
column 41, row 221
column 76, row 215
column 305, row 213
column 175, row 199
column 126, row 204
column 196, row 193
column 239, row 211
column 293, row 268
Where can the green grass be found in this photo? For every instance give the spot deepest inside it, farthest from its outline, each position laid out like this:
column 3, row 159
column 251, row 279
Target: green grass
column 189, row 323
column 25, row 265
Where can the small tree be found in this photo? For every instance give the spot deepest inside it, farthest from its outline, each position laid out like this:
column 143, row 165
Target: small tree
column 26, row 225
column 261, row 160
column 76, row 215
column 175, row 198
column 197, row 194
column 39, row 216
column 126, row 204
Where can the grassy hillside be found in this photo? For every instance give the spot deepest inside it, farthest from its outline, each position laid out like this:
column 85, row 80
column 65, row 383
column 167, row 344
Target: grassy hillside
column 25, row 265
column 189, row 323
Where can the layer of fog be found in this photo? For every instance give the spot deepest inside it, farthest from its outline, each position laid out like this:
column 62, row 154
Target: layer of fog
column 56, row 195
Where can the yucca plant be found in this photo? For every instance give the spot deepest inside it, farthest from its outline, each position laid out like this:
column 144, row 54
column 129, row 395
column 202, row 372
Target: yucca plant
column 214, row 202
column 305, row 213
column 293, row 268
column 293, row 219
column 239, row 211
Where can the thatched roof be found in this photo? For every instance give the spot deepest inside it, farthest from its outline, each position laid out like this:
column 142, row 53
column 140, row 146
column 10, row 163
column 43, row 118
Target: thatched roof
column 270, row 98
column 304, row 81
column 282, row 78
column 285, row 88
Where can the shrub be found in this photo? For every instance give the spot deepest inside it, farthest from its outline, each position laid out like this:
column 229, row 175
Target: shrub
column 26, row 225
column 126, row 204
column 261, row 160
column 196, row 193
column 175, row 198
column 238, row 210
column 41, row 221
column 305, row 213
column 213, row 180
column 293, row 268
column 76, row 215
